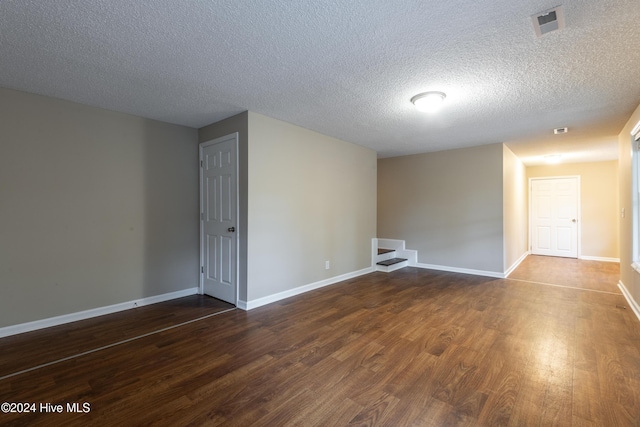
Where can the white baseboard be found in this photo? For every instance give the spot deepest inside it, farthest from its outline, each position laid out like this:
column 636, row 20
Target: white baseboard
column 249, row 305
column 412, row 256
column 599, row 258
column 516, row 264
column 495, row 274
column 627, row 295
column 94, row 312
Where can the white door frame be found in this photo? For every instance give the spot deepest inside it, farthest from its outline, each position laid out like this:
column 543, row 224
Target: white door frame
column 237, row 220
column 579, row 212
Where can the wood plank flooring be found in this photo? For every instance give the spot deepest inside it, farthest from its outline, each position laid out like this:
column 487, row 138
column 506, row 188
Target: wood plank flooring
column 413, row 347
column 23, row 351
column 576, row 273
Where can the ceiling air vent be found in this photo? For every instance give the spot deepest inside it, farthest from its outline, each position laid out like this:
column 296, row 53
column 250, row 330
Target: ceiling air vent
column 548, row 21
column 559, row 131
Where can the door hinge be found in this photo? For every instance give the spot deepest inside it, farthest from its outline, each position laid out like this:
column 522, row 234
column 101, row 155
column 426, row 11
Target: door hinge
column 201, row 269
column 201, row 164
column 202, row 217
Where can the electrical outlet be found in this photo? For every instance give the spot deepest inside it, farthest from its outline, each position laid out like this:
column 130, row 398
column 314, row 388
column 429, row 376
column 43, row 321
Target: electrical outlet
column 327, row 265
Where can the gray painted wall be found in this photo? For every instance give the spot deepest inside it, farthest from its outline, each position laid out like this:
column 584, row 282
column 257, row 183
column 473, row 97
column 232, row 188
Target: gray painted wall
column 447, row 205
column 312, row 198
column 304, row 198
column 96, row 208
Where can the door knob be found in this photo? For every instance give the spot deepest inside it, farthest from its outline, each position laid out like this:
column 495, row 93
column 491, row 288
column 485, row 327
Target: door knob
column 231, row 229
column 573, row 220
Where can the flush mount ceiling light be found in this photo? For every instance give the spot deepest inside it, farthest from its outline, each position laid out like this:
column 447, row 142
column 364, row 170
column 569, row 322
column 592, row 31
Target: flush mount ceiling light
column 553, row 159
column 428, row 102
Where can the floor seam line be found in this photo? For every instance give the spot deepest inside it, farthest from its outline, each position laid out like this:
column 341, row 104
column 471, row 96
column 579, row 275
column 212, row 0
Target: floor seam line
column 564, row 286
column 95, row 350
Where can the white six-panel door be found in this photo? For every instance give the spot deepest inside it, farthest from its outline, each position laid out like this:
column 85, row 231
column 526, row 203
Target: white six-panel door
column 554, row 216
column 218, row 221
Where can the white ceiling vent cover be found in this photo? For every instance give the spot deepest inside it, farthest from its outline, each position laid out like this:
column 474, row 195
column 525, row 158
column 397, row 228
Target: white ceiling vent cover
column 548, row 21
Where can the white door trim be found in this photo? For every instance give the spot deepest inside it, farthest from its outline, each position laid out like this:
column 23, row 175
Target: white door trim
column 201, row 146
column 579, row 211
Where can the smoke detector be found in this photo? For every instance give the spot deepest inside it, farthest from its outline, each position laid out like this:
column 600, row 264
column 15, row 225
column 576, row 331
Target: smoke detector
column 548, row 21
column 559, row 131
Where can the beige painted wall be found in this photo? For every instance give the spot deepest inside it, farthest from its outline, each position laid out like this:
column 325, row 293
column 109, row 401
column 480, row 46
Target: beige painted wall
column 629, row 278
column 311, row 198
column 447, row 205
column 96, row 208
column 514, row 181
column 599, row 204
column 239, row 124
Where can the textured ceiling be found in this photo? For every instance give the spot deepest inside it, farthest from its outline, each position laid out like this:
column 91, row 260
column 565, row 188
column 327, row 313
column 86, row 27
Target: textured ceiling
column 343, row 68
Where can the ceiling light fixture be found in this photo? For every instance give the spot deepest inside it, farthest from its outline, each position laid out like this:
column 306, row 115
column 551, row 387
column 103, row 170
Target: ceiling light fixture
column 428, row 102
column 553, row 159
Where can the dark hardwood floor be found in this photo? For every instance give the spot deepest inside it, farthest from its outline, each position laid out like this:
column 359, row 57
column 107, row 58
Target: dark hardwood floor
column 409, row 348
column 25, row 351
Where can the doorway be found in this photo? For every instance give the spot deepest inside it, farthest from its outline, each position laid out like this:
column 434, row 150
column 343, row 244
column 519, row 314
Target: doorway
column 219, row 218
column 554, row 216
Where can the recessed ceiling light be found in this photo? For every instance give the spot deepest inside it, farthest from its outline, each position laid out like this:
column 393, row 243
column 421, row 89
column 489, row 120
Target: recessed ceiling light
column 428, row 101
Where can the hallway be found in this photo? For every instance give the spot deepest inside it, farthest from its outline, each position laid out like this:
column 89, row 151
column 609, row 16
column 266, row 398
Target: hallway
column 569, row 272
